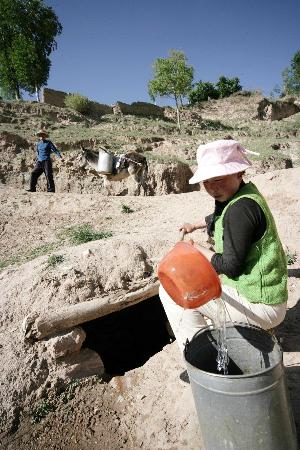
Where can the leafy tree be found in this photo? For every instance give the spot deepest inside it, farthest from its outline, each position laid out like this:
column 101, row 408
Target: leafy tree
column 172, row 78
column 5, row 94
column 291, row 76
column 227, row 86
column 203, row 90
column 27, row 37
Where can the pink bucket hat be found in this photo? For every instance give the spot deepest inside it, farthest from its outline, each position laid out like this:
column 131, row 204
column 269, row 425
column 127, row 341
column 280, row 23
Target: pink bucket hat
column 217, row 158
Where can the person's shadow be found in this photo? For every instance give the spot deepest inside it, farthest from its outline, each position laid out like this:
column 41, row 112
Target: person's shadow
column 288, row 332
column 295, row 273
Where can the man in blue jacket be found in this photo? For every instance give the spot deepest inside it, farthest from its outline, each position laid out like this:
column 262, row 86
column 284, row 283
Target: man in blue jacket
column 44, row 147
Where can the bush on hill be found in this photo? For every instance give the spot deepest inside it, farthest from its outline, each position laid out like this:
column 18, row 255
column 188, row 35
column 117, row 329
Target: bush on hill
column 205, row 90
column 78, row 102
column 227, row 86
column 202, row 91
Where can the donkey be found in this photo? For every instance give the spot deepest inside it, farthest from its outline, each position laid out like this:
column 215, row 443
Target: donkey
column 130, row 164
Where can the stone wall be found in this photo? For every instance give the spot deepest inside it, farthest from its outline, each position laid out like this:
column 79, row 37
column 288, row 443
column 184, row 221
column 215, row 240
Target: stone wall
column 139, row 109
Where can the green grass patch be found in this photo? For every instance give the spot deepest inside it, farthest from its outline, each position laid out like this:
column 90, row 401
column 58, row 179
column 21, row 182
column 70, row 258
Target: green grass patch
column 76, row 235
column 126, row 209
column 29, row 255
column 214, row 125
column 54, row 260
column 80, row 234
column 41, row 411
column 69, row 393
column 4, row 263
column 40, row 251
column 165, row 159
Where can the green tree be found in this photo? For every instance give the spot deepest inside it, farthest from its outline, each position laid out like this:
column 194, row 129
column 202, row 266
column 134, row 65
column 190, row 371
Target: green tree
column 202, row 91
column 291, row 76
column 172, row 78
column 5, row 94
column 227, row 86
column 27, row 37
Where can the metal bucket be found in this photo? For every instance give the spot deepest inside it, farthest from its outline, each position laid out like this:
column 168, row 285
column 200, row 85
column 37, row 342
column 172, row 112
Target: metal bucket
column 249, row 408
column 105, row 162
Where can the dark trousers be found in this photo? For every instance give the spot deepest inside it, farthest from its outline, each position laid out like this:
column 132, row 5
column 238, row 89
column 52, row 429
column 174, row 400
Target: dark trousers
column 46, row 168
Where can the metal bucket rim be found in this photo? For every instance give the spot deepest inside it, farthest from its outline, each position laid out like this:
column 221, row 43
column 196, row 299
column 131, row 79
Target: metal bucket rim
column 245, row 325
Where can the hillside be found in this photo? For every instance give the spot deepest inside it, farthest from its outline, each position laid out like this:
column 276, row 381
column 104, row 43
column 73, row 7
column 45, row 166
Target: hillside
column 46, row 268
column 170, row 153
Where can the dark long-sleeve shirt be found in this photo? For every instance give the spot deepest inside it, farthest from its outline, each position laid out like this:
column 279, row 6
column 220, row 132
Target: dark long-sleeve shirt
column 44, row 149
column 244, row 223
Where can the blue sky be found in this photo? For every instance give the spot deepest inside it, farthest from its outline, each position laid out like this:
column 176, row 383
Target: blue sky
column 107, row 47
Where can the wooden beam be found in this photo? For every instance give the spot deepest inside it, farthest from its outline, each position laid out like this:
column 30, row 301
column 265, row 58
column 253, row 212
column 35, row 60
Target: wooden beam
column 40, row 326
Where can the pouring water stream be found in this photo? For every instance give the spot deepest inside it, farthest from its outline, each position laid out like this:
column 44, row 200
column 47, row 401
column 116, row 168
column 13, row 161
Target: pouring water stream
column 220, row 323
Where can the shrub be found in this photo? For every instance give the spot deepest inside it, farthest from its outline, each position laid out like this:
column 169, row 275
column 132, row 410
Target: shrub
column 69, row 392
column 80, row 234
column 78, row 102
column 126, row 209
column 41, row 411
column 227, row 86
column 202, row 91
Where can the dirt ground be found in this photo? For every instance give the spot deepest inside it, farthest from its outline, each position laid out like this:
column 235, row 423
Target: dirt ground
column 149, row 407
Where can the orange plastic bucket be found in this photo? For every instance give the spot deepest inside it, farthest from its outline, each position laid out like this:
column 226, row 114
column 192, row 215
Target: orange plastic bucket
column 188, row 277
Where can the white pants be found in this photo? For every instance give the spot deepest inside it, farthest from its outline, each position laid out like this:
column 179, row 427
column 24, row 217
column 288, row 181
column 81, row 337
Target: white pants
column 186, row 322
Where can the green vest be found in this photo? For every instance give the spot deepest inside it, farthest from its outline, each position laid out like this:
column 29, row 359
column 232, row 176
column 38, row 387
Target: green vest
column 264, row 278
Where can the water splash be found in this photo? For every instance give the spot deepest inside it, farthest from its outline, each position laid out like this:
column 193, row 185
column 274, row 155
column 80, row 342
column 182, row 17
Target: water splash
column 220, row 323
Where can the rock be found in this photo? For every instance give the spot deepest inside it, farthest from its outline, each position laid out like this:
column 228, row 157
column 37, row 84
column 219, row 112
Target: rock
column 276, row 110
column 66, row 343
column 269, row 163
column 171, row 178
column 275, row 146
column 79, row 365
column 12, row 140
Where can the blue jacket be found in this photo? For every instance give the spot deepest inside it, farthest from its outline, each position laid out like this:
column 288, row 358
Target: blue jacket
column 44, row 148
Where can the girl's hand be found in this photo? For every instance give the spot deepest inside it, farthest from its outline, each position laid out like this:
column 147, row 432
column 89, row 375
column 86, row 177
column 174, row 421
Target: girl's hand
column 187, row 228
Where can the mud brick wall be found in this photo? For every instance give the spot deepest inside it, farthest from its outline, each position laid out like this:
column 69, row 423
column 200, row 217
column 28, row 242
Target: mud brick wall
column 139, row 109
column 57, row 98
column 99, row 109
column 53, row 97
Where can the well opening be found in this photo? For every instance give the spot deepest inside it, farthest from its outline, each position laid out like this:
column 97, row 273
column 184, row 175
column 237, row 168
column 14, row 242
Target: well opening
column 126, row 339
